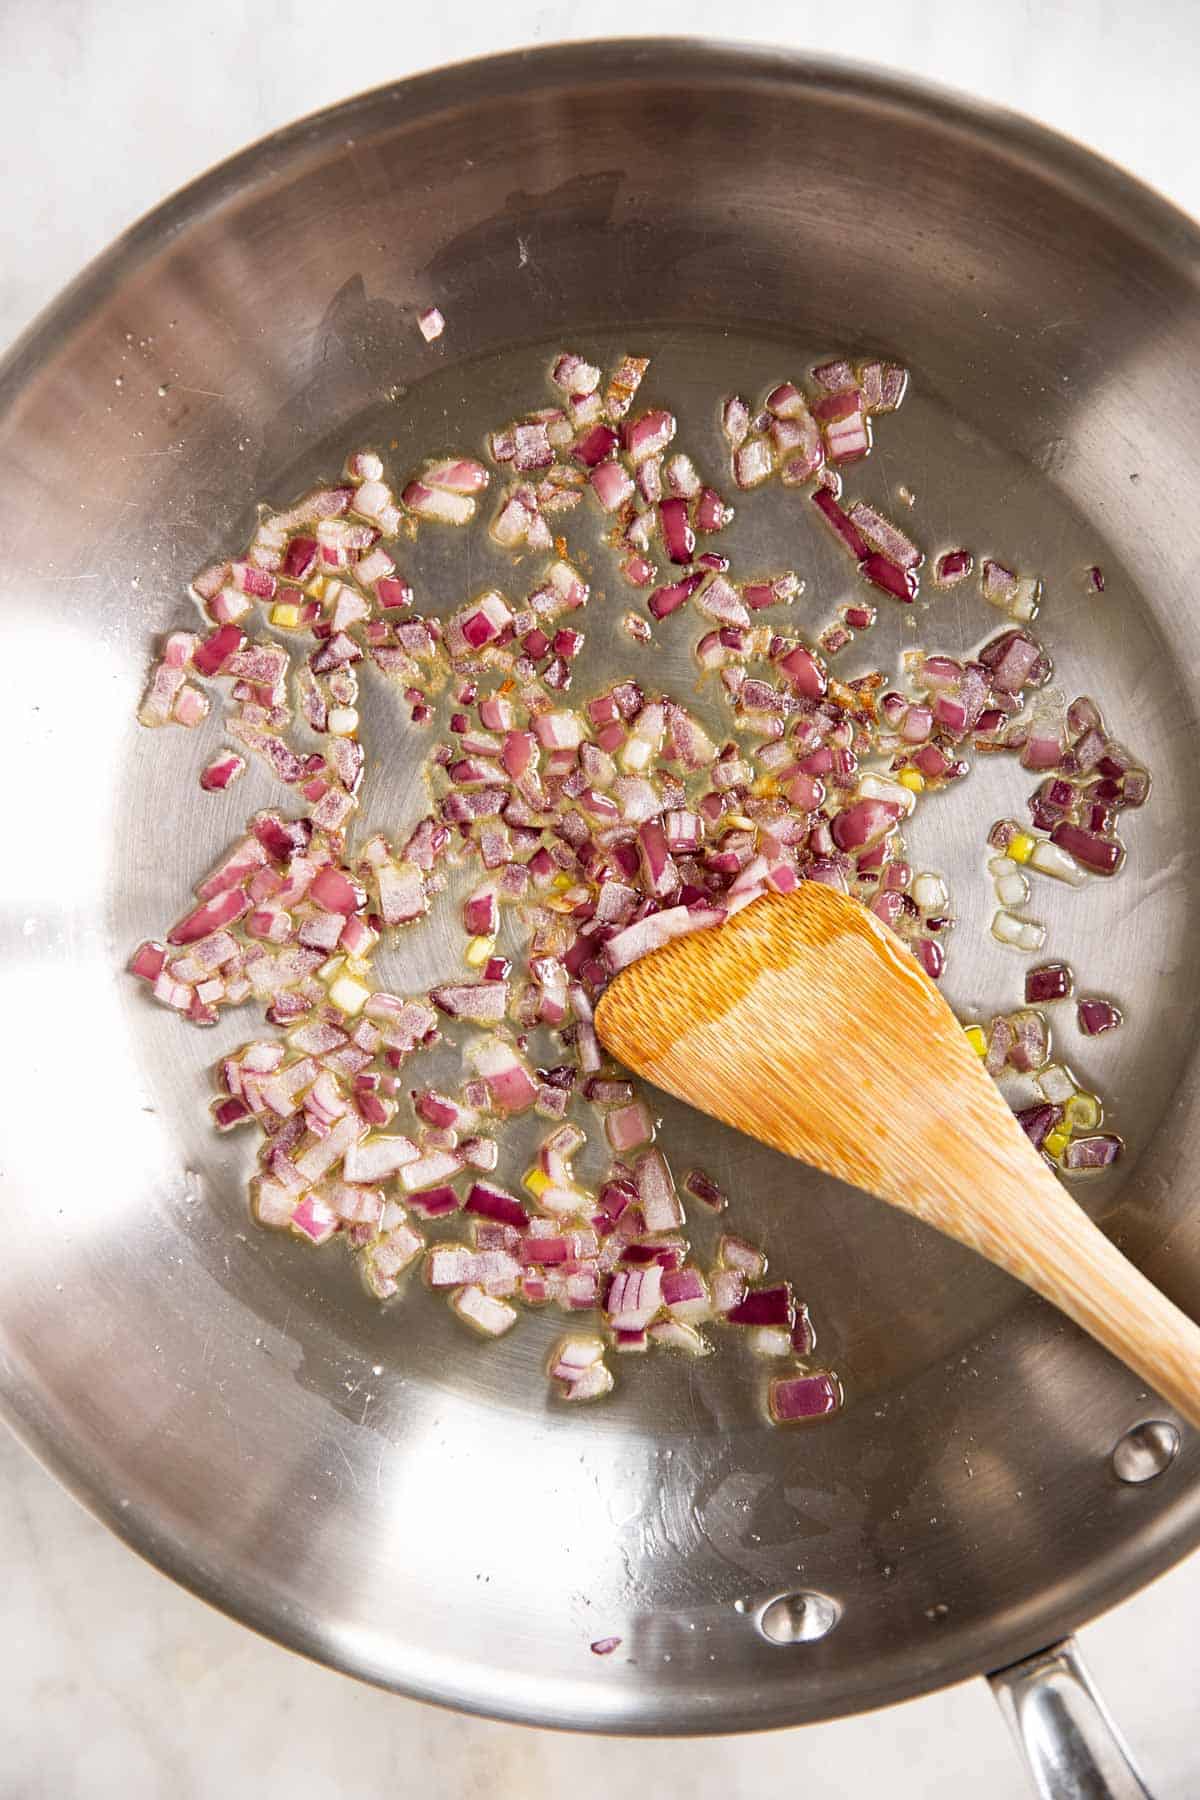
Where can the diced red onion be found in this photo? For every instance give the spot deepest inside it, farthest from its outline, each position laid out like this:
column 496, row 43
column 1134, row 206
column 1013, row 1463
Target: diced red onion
column 457, row 474
column 886, row 537
column 735, row 420
column 434, row 1202
column 666, row 600
column 835, row 377
column 753, row 462
column 678, row 535
column 649, row 435
column 222, row 772
column 901, row 583
column 491, row 1202
column 657, row 1193
column 845, row 427
column 1050, row 982
column 438, row 503
column 997, row 583
column 795, row 1397
column 736, row 1253
column 659, row 928
column 483, row 1002
column 765, row 1306
column 847, row 530
column 595, row 446
column 1092, row 1152
column 863, row 824
column 611, row 485
column 634, row 1297
column 1102, row 854
column 1096, row 1016
column 953, row 566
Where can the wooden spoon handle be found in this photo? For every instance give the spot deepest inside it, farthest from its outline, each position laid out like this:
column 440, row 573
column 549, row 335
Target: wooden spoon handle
column 1047, row 1241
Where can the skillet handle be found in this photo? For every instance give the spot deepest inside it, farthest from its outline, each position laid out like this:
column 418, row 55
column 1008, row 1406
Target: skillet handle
column 1072, row 1748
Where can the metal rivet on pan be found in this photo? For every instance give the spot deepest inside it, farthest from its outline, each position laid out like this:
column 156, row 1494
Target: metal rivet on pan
column 1146, row 1450
column 799, row 1618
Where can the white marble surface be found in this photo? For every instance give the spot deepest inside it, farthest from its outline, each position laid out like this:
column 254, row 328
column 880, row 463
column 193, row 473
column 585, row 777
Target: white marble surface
column 112, row 1681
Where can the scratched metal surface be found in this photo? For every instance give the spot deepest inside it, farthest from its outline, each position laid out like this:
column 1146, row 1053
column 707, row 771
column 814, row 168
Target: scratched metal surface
column 372, row 1485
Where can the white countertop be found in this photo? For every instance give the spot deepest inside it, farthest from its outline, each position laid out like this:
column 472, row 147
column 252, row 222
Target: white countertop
column 113, row 1682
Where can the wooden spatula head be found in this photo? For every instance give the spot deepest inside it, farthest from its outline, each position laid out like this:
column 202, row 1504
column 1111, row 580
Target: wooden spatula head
column 805, row 1023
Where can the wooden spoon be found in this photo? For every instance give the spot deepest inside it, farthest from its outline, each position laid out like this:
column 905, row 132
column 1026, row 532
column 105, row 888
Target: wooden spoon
column 805, row 1023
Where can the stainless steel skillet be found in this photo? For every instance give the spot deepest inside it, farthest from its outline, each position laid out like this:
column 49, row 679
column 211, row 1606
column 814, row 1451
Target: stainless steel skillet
column 368, row 1486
